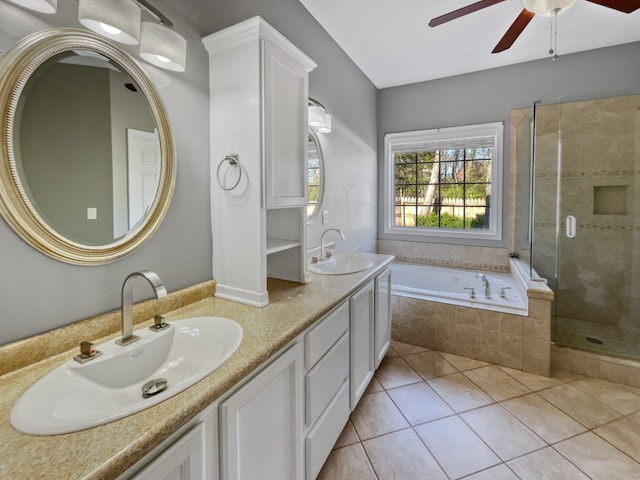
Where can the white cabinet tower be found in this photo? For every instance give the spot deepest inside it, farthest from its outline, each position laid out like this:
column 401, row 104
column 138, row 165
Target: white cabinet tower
column 258, row 96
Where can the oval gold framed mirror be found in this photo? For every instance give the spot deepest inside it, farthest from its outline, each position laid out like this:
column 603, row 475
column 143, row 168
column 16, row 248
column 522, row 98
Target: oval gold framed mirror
column 315, row 176
column 87, row 165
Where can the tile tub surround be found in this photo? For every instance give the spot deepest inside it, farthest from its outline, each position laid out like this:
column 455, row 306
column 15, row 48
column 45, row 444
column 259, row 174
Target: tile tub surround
column 444, row 255
column 457, row 418
column 108, row 450
column 515, row 341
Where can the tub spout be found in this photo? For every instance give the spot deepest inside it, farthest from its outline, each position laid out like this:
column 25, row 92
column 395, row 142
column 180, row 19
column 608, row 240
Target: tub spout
column 485, row 283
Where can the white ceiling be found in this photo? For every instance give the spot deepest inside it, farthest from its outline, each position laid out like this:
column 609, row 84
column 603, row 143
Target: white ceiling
column 391, row 43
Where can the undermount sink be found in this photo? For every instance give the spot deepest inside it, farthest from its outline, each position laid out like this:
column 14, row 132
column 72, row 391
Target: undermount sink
column 77, row 396
column 341, row 264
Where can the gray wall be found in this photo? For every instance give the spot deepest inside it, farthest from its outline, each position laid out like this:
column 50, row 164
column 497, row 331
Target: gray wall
column 489, row 96
column 38, row 293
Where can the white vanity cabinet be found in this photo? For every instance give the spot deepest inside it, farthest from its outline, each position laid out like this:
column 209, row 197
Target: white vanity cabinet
column 189, row 454
column 362, row 320
column 382, row 329
column 184, row 460
column 326, row 386
column 282, row 421
column 258, row 84
column 261, row 423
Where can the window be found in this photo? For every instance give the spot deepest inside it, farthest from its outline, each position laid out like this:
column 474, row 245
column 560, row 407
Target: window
column 445, row 182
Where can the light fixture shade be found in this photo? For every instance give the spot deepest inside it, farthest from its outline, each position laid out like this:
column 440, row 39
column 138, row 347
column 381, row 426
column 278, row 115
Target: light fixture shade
column 118, row 20
column 316, row 116
column 326, row 128
column 44, row 6
column 546, row 8
column 163, row 47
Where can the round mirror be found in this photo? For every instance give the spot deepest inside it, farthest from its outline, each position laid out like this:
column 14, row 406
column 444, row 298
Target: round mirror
column 86, row 166
column 315, row 175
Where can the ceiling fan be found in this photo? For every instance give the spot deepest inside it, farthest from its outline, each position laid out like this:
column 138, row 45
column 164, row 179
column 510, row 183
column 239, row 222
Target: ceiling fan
column 530, row 10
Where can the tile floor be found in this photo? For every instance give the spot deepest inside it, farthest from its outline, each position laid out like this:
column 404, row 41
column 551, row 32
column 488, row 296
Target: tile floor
column 436, row 416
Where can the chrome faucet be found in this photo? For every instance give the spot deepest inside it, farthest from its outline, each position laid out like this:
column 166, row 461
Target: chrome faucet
column 485, row 282
column 322, row 253
column 127, row 302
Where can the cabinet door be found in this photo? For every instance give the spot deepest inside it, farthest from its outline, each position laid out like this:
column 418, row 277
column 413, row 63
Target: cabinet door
column 285, row 87
column 184, row 460
column 261, row 429
column 382, row 333
column 362, row 313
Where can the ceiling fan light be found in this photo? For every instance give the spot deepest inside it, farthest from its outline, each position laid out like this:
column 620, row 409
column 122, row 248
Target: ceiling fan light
column 547, row 8
column 43, row 6
column 118, row 20
column 163, row 47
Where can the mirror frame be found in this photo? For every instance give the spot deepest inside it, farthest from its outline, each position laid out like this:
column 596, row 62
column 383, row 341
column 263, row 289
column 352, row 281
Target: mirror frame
column 314, row 136
column 16, row 67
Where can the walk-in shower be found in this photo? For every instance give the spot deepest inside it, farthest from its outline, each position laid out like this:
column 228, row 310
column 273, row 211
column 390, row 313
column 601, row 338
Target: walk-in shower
column 585, row 217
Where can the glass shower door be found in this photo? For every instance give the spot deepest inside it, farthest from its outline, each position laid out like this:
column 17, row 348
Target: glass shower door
column 597, row 270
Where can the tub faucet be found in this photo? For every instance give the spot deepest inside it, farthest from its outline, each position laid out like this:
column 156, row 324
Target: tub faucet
column 485, row 282
column 322, row 253
column 127, row 302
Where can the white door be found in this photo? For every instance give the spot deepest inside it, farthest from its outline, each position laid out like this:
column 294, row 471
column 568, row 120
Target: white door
column 184, row 460
column 362, row 311
column 382, row 334
column 143, row 168
column 261, row 424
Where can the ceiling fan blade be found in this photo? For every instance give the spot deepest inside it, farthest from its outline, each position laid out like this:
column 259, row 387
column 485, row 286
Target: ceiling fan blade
column 626, row 6
column 461, row 12
column 514, row 31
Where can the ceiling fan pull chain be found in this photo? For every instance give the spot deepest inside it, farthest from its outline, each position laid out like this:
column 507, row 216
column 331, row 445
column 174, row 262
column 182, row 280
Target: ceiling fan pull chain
column 553, row 35
column 551, row 52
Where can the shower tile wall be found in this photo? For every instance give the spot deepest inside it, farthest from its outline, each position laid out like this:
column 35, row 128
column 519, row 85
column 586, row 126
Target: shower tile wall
column 600, row 156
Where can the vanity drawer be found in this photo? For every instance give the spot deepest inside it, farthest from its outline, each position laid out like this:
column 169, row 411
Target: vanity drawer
column 325, row 379
column 325, row 334
column 322, row 437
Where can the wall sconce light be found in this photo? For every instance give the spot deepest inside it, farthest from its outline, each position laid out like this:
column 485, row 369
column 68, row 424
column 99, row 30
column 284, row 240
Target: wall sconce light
column 319, row 119
column 119, row 20
column 163, row 47
column 43, row 6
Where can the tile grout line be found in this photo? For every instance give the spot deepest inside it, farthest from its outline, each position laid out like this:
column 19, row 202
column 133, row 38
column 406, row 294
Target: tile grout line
column 547, row 444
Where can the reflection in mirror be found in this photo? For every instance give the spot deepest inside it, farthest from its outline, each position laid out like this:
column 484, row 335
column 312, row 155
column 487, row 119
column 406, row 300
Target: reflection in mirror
column 86, row 147
column 315, row 175
column 86, row 159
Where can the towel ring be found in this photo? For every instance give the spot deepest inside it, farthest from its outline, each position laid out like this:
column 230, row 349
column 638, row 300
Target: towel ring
column 233, row 160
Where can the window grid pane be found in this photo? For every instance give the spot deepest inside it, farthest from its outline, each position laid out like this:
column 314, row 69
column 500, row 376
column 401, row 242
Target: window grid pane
column 443, row 189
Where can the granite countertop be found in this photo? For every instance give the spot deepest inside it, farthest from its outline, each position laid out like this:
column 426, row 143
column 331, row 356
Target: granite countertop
column 109, row 450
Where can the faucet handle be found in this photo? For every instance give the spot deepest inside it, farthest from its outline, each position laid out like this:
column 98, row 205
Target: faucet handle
column 87, row 352
column 503, row 293
column 159, row 324
column 472, row 293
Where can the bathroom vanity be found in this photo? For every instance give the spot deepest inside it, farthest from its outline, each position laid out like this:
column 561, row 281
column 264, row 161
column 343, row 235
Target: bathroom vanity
column 276, row 406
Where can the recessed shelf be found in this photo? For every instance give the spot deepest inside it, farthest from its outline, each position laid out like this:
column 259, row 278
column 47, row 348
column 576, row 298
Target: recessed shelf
column 276, row 245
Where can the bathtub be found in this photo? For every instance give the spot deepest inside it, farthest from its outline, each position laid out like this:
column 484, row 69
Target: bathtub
column 447, row 285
